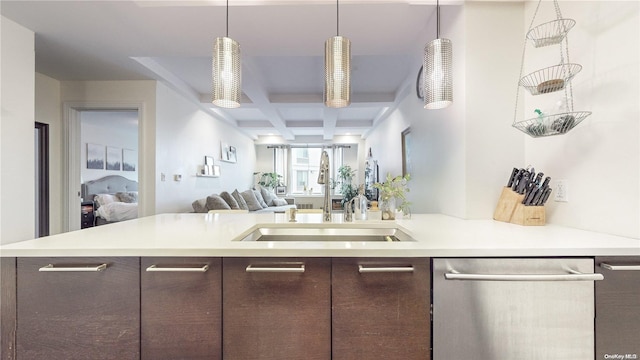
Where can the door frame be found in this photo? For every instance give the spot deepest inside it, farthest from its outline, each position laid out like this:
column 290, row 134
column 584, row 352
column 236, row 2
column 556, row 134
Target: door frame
column 43, row 205
column 73, row 146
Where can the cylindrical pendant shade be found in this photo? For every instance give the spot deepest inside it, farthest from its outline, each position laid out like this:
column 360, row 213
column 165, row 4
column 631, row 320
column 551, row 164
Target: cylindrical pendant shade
column 337, row 72
column 226, row 73
column 438, row 74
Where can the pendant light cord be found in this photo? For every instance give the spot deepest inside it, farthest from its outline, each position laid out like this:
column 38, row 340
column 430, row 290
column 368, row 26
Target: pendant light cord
column 337, row 18
column 437, row 19
column 227, row 18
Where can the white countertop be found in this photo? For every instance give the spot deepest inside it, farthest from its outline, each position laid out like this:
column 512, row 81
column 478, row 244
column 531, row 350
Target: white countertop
column 217, row 234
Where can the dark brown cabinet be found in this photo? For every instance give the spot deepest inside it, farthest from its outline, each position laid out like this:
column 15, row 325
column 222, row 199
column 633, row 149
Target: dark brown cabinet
column 381, row 308
column 275, row 308
column 618, row 308
column 78, row 308
column 181, row 308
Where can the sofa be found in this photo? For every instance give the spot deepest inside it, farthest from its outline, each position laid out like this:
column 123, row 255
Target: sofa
column 253, row 200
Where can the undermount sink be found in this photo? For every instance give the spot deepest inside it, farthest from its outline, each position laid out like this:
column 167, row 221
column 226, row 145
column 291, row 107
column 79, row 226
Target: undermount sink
column 358, row 234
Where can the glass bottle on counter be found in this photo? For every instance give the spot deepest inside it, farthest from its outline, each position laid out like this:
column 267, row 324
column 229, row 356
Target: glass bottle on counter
column 360, row 204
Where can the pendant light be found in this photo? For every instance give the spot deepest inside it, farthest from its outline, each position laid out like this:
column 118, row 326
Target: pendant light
column 438, row 73
column 226, row 71
column 337, row 68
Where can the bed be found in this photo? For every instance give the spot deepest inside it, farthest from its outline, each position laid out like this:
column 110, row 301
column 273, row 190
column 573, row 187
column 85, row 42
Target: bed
column 115, row 198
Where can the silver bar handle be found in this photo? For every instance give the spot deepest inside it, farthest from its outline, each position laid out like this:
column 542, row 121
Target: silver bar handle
column 51, row 268
column 571, row 276
column 395, row 269
column 155, row 268
column 620, row 267
column 276, row 269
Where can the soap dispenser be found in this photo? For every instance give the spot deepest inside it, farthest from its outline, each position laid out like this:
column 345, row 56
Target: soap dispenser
column 360, row 204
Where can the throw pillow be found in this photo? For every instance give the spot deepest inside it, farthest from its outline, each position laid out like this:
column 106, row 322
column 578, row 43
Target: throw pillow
column 230, row 200
column 268, row 195
column 127, row 197
column 250, row 198
column 104, row 199
column 278, row 202
column 200, row 206
column 260, row 199
column 241, row 203
column 215, row 202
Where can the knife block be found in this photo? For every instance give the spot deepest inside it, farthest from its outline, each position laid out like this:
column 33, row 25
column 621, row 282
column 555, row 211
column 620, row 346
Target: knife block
column 511, row 209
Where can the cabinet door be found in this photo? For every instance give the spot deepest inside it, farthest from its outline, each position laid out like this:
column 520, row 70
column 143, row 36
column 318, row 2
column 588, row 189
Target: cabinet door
column 381, row 309
column 276, row 308
column 181, row 308
column 72, row 308
column 618, row 307
column 8, row 309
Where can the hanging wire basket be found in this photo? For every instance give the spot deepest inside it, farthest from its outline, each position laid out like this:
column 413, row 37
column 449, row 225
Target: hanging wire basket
column 550, row 33
column 555, row 124
column 549, row 79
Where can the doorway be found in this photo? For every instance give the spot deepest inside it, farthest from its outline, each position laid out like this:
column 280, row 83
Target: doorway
column 41, row 164
column 110, row 132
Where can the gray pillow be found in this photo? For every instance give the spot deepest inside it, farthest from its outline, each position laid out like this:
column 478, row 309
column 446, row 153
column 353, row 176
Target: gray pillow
column 215, row 202
column 278, row 202
column 230, row 200
column 267, row 195
column 260, row 199
column 250, row 198
column 240, row 200
column 127, row 197
column 200, row 206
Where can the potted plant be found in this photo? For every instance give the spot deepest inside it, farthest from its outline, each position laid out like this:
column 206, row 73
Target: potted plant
column 344, row 178
column 392, row 191
column 270, row 180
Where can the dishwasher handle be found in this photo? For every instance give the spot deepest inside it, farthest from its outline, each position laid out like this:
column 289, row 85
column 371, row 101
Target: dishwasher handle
column 572, row 275
column 620, row 267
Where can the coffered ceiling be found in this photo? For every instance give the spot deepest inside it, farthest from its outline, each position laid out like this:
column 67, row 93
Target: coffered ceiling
column 282, row 44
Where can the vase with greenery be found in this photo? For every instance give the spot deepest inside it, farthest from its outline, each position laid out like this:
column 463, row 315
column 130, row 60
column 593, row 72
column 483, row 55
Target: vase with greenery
column 392, row 192
column 270, row 180
column 343, row 180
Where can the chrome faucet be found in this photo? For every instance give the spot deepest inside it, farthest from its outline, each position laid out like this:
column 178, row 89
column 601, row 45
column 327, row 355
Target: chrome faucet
column 323, row 178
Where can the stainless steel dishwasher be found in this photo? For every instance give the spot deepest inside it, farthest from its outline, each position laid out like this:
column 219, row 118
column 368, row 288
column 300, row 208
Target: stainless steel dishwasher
column 497, row 309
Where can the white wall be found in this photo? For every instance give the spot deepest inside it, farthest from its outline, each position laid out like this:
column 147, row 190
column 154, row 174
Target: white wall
column 48, row 110
column 600, row 157
column 108, row 128
column 473, row 139
column 461, row 155
column 185, row 135
column 17, row 186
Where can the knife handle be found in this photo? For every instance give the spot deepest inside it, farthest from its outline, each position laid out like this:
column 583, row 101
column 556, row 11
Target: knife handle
column 512, row 178
column 546, row 181
column 545, row 196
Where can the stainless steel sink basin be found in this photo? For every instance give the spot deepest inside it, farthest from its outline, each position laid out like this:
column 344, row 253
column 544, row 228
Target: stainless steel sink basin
column 358, row 234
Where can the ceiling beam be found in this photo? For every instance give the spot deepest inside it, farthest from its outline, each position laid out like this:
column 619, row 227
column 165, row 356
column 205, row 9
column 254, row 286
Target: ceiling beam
column 330, row 119
column 252, row 86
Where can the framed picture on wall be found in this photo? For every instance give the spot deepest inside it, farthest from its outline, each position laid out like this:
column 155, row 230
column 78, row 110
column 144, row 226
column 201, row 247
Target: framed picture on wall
column 95, row 156
column 114, row 158
column 129, row 160
column 228, row 153
column 281, row 190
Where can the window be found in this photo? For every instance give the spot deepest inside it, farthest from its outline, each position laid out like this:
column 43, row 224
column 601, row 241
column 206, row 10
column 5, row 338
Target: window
column 300, row 167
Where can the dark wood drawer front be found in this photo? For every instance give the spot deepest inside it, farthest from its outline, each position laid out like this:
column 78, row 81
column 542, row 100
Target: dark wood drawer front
column 181, row 308
column 381, row 315
column 8, row 309
column 78, row 315
column 618, row 309
column 276, row 315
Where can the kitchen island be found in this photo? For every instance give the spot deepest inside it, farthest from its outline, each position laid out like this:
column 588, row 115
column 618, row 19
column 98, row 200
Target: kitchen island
column 218, row 235
column 185, row 286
